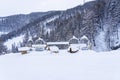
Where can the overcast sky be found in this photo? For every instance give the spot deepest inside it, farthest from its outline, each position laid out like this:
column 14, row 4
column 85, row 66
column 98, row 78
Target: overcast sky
column 10, row 7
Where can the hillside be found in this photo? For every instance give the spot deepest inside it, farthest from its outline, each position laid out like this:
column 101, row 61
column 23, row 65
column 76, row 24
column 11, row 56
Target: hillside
column 32, row 27
column 98, row 20
column 14, row 22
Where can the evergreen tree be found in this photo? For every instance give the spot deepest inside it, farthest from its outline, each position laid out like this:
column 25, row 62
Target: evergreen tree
column 14, row 48
column 3, row 49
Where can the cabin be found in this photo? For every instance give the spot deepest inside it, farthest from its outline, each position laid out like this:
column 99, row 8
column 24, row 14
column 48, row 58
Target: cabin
column 24, row 50
column 39, row 45
column 84, row 43
column 74, row 40
column 30, row 42
column 84, row 40
column 40, row 41
column 73, row 45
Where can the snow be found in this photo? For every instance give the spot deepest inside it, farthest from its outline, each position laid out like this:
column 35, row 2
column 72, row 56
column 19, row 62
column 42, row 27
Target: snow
column 40, row 39
column 16, row 41
column 83, row 65
column 83, row 46
column 100, row 42
column 100, row 39
column 48, row 29
column 54, row 49
column 37, row 45
column 74, row 38
column 84, row 37
column 23, row 49
column 74, row 47
column 30, row 39
column 2, row 19
column 57, row 43
column 51, row 19
column 1, row 33
column 71, row 41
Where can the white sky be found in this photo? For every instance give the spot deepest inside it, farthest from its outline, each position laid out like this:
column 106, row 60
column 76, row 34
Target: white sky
column 10, row 7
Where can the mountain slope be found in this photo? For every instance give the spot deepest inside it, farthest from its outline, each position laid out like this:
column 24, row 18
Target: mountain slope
column 14, row 22
column 33, row 27
column 98, row 20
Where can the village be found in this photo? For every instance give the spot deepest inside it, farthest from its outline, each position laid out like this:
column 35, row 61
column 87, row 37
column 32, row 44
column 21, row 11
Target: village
column 72, row 46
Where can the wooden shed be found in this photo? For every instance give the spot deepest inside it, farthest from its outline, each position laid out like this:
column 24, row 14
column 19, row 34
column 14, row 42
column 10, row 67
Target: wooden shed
column 23, row 50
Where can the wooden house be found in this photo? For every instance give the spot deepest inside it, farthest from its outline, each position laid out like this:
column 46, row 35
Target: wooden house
column 30, row 42
column 73, row 45
column 84, row 43
column 39, row 45
column 74, row 40
column 23, row 50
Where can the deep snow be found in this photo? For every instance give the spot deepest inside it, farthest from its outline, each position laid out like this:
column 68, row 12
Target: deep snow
column 84, row 65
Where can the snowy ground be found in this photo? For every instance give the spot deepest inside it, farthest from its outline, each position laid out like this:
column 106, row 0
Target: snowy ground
column 84, row 65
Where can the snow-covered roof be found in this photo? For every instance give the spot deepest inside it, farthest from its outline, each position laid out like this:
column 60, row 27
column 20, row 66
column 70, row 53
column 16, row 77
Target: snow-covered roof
column 54, row 48
column 84, row 37
column 84, row 40
column 23, row 49
column 74, row 40
column 57, row 43
column 40, row 41
column 39, row 45
column 30, row 39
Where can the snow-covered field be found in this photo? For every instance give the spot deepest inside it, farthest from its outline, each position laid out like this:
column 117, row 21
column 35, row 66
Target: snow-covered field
column 84, row 65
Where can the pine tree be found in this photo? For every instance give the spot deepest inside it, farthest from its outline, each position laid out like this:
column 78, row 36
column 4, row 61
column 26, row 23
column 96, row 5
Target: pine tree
column 25, row 40
column 14, row 48
column 3, row 49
